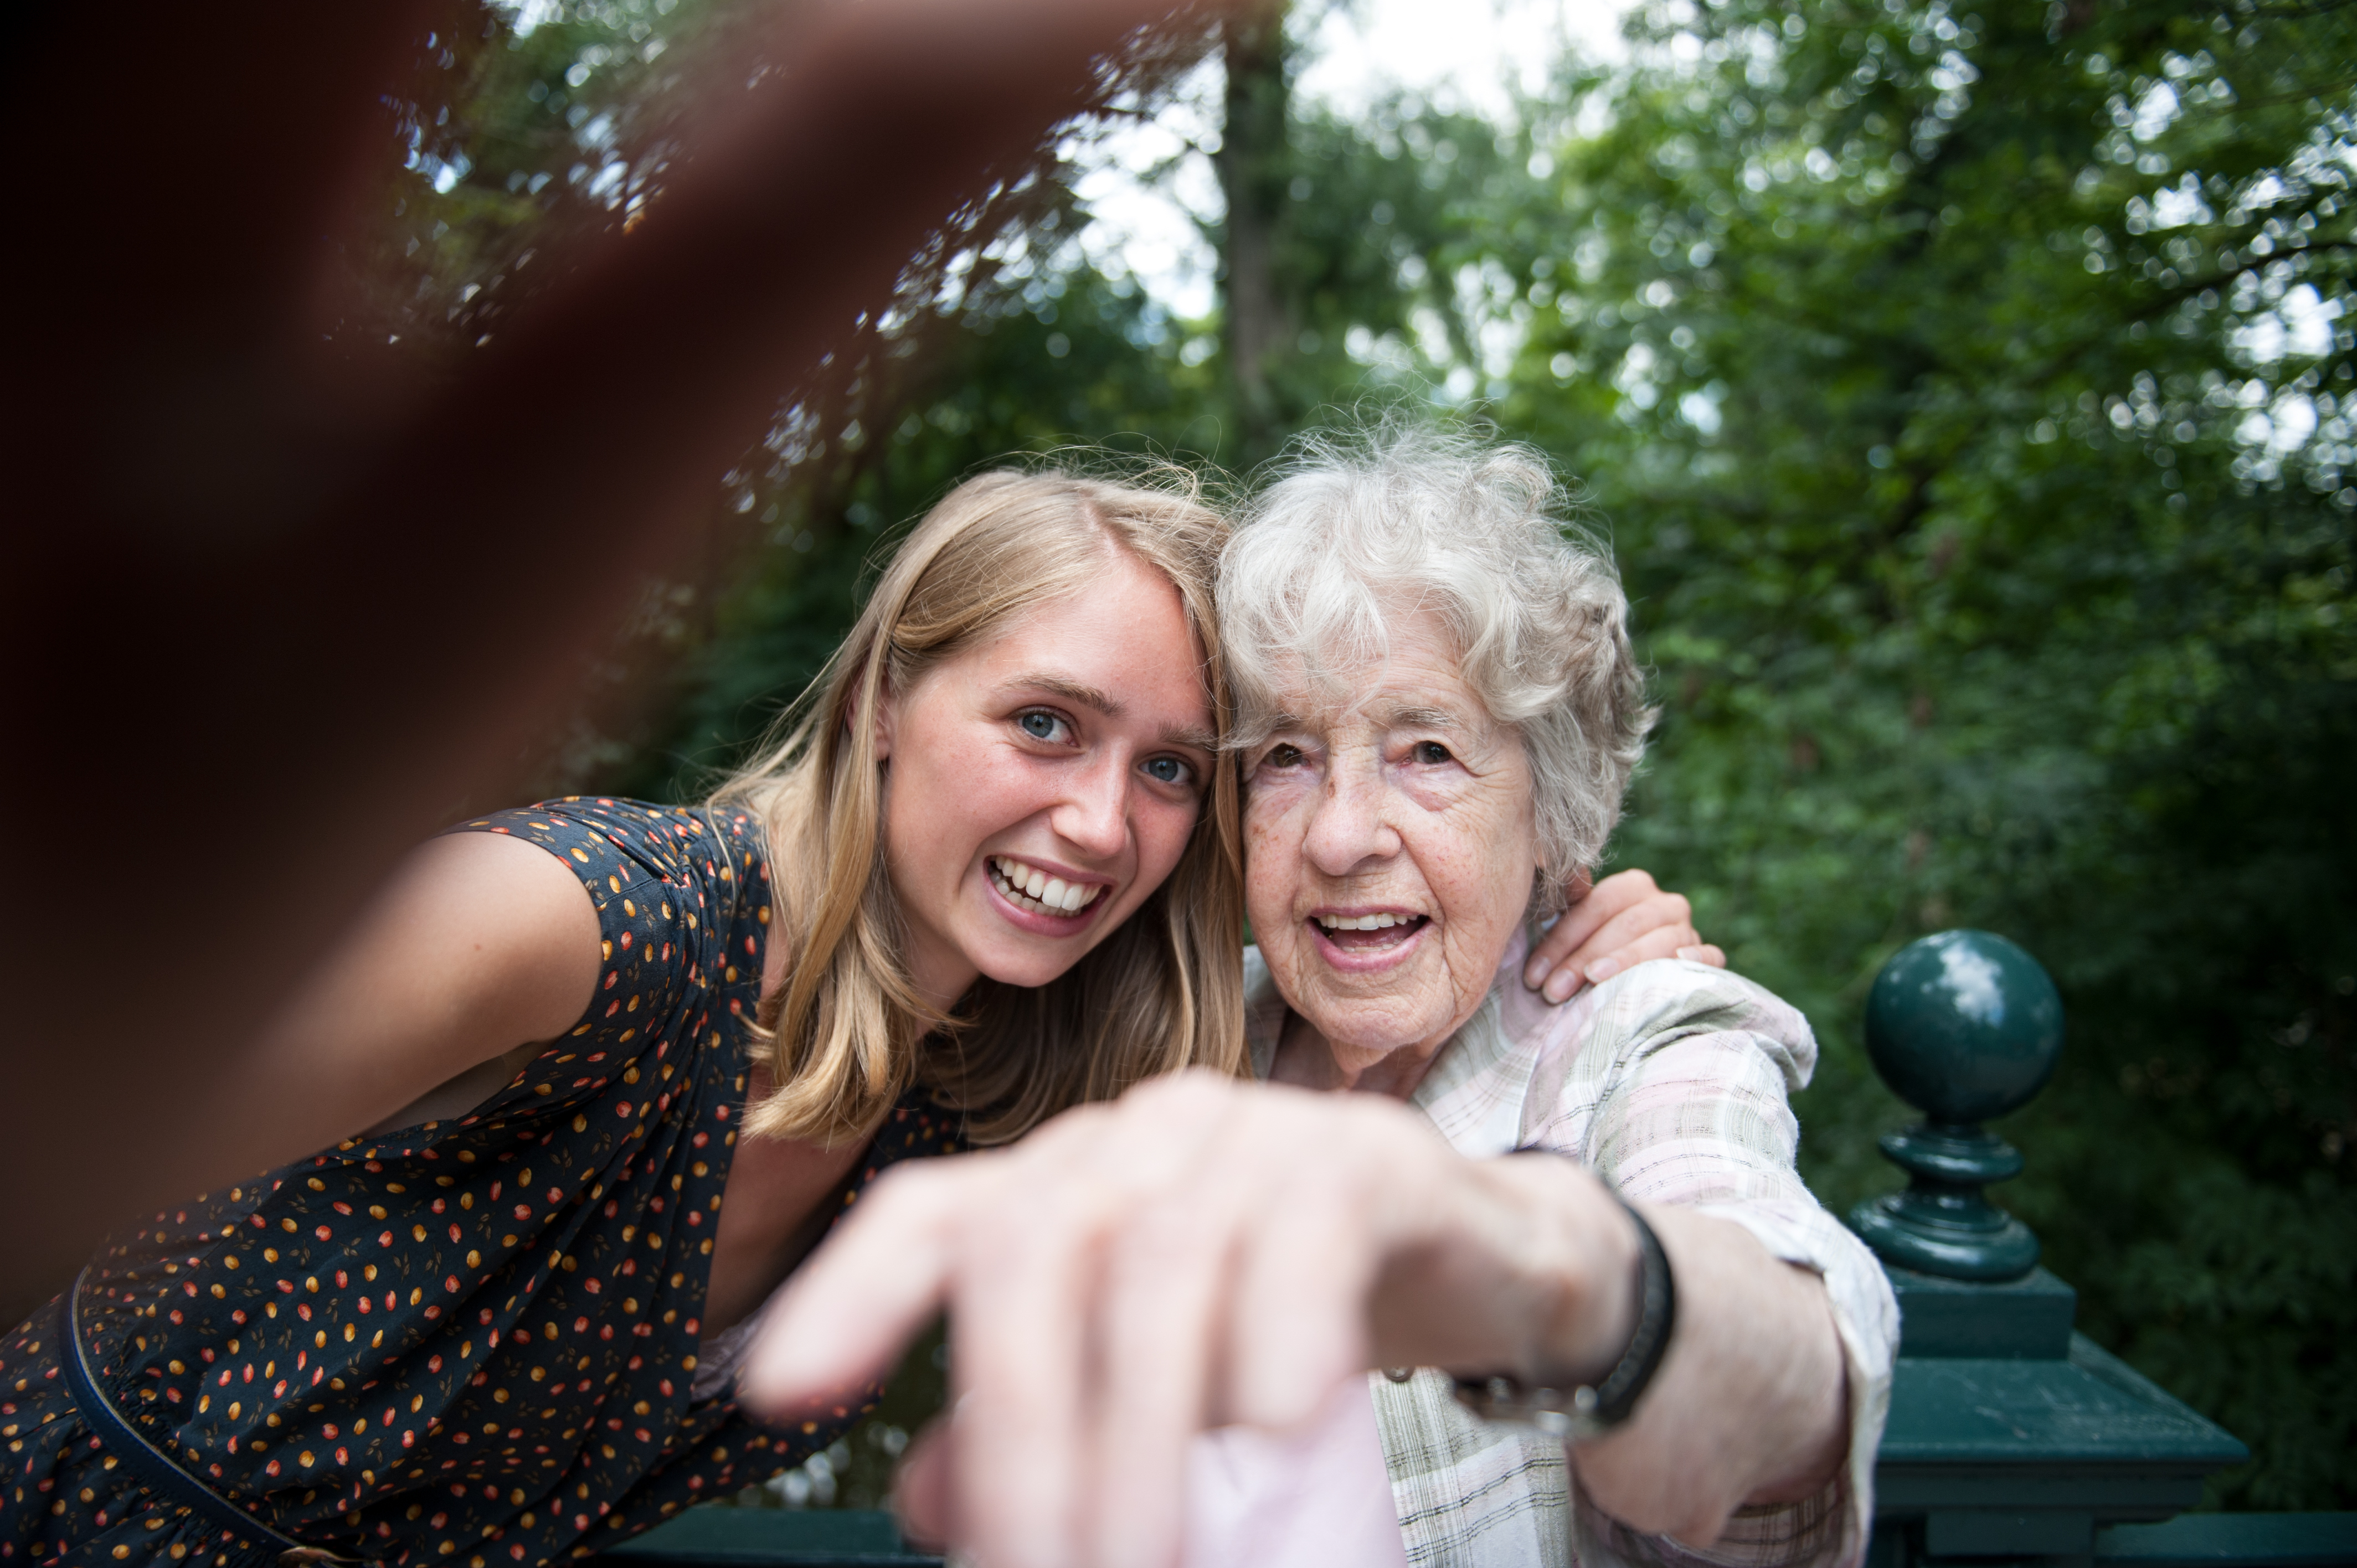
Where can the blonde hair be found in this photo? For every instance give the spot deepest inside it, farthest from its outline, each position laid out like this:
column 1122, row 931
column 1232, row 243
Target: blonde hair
column 846, row 1033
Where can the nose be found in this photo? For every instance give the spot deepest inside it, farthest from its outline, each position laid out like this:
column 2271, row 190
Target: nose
column 1349, row 827
column 1093, row 815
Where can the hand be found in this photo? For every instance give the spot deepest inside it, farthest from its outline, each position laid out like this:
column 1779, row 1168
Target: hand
column 1612, row 924
column 1201, row 1254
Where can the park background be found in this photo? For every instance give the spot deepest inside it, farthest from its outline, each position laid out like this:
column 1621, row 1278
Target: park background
column 1967, row 389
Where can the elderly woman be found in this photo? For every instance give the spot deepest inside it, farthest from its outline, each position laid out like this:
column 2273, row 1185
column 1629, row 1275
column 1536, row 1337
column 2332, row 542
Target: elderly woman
column 1639, row 1333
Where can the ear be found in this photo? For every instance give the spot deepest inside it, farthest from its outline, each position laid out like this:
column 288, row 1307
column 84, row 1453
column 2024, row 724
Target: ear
column 886, row 714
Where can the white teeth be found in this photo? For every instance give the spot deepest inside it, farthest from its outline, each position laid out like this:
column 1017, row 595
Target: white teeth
column 1035, row 887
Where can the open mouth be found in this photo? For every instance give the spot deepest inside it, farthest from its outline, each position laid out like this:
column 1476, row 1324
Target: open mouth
column 1029, row 888
column 1370, row 933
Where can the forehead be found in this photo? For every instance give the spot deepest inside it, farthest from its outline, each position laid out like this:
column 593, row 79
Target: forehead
column 1416, row 681
column 1122, row 645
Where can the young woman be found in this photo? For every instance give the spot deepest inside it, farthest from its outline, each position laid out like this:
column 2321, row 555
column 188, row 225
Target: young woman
column 499, row 1325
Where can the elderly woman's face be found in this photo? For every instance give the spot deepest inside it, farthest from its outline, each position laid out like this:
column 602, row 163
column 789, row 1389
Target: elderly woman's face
column 1403, row 807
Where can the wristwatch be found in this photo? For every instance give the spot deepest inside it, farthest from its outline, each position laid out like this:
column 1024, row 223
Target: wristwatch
column 1576, row 1412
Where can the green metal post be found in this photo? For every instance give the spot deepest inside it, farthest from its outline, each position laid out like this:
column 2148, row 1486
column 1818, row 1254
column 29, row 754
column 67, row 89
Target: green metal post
column 2012, row 1438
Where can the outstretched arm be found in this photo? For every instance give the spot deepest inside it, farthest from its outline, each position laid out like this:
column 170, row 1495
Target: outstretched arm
column 480, row 948
column 1204, row 1253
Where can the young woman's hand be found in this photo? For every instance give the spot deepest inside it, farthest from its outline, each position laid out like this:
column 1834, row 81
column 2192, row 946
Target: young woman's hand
column 1204, row 1253
column 1613, row 925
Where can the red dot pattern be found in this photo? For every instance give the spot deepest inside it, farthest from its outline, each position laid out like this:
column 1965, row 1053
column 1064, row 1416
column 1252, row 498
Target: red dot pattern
column 469, row 1341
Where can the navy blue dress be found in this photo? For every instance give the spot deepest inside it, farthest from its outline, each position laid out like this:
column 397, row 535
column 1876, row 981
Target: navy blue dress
column 472, row 1341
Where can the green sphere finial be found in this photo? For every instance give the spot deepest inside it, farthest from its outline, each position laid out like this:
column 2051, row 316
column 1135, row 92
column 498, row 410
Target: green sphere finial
column 1964, row 1026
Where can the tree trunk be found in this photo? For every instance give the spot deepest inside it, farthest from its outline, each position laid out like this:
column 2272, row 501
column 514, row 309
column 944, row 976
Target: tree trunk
column 1255, row 167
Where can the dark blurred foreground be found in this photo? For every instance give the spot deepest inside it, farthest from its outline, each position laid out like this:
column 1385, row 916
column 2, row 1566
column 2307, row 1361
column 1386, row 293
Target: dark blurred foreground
column 286, row 593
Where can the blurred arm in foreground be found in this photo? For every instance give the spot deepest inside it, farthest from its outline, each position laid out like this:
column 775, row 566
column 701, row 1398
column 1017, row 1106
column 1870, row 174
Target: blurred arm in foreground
column 274, row 607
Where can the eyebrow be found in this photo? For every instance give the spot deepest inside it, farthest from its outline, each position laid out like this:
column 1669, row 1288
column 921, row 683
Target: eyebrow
column 1102, row 702
column 1069, row 690
column 1421, row 718
column 1403, row 717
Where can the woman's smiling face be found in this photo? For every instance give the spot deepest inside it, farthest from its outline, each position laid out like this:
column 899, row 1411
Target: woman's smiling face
column 1041, row 785
column 1390, row 843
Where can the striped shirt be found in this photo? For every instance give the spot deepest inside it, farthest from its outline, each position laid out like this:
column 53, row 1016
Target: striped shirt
column 1671, row 1082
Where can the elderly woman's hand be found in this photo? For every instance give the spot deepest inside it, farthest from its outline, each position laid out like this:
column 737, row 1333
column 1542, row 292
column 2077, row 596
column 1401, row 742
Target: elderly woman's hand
column 1199, row 1254
column 1206, row 1252
column 1612, row 926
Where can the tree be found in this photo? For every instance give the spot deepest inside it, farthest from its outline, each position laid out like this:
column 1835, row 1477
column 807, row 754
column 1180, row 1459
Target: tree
column 1966, row 391
column 1256, row 167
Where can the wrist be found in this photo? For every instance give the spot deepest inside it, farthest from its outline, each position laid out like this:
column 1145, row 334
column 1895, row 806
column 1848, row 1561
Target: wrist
column 1594, row 1356
column 1584, row 1283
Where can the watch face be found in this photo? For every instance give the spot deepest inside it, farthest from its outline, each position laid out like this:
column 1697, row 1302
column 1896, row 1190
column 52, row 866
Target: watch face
column 1554, row 1412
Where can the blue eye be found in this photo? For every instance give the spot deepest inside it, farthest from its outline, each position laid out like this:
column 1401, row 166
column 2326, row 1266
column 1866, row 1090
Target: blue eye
column 1169, row 770
column 1041, row 725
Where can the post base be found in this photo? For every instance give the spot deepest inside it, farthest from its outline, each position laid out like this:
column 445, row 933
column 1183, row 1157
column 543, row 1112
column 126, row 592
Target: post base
column 1997, row 1247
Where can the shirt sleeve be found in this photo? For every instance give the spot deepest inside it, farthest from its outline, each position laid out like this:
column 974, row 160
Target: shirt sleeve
column 1683, row 1092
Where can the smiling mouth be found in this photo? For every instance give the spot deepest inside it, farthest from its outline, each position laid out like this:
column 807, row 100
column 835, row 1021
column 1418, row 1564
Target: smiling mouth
column 1028, row 887
column 1369, row 933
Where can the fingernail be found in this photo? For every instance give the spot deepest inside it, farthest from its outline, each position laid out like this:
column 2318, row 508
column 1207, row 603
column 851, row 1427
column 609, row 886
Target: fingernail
column 1535, row 973
column 1689, row 954
column 1602, row 970
column 1561, row 984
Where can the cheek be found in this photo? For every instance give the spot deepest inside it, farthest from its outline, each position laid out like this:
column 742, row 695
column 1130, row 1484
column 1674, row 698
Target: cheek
column 1488, row 870
column 1163, row 830
column 1272, row 853
column 948, row 789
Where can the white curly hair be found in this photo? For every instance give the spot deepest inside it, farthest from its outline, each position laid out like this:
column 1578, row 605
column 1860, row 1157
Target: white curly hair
column 1351, row 528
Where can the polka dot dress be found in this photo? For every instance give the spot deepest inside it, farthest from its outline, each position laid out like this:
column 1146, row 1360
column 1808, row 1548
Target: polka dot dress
column 469, row 1341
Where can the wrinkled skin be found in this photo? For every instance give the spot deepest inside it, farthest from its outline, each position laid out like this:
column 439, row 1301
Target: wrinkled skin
column 1405, row 800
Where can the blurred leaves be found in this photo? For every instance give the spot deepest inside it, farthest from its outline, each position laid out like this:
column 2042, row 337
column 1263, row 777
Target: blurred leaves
column 1967, row 390
column 1968, row 393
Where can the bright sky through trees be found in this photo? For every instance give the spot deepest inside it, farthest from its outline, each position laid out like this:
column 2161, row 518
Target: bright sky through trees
column 1150, row 186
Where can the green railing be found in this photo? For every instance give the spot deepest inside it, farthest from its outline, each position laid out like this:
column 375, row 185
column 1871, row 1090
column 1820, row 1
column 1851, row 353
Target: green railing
column 840, row 1538
column 2012, row 1439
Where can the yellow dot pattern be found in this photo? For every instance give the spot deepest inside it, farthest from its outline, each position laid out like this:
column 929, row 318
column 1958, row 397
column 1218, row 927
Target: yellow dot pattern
column 470, row 1340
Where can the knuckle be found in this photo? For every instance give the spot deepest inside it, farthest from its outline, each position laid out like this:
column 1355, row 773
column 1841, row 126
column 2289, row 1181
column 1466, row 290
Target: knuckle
column 904, row 1188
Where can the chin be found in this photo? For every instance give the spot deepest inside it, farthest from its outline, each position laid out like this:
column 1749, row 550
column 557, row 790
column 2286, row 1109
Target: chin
column 1030, row 971
column 1371, row 1029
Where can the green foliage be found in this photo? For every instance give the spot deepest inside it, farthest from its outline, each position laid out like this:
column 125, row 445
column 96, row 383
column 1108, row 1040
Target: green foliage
column 1921, row 364
column 506, row 138
column 1965, row 392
